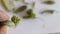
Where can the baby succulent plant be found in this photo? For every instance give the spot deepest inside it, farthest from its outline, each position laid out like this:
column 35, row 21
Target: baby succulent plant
column 15, row 20
column 30, row 14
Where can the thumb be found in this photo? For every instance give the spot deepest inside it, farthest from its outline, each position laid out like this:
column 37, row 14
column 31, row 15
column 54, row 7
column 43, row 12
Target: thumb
column 3, row 29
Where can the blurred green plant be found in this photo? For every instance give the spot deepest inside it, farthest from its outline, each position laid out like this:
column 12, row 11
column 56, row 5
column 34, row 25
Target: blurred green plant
column 15, row 20
column 30, row 14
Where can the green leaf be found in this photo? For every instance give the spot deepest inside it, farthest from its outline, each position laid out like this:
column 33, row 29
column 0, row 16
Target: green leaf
column 22, row 8
column 5, row 4
column 49, row 2
column 26, row 17
column 9, row 23
column 48, row 11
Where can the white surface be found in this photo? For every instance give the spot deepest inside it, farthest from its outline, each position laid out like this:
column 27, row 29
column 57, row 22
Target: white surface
column 41, row 25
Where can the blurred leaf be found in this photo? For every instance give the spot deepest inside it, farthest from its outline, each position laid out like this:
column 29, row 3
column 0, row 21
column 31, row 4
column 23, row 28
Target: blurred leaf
column 5, row 4
column 22, row 8
column 26, row 17
column 9, row 23
column 48, row 11
column 49, row 2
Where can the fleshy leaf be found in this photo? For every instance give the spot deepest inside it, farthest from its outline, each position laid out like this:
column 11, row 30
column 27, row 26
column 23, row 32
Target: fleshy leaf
column 48, row 2
column 48, row 11
column 9, row 23
column 22, row 8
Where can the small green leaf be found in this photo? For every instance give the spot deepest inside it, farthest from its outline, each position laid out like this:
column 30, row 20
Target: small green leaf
column 48, row 11
column 22, row 8
column 49, row 2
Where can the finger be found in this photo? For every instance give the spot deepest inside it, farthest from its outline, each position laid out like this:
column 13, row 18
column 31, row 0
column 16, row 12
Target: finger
column 3, row 29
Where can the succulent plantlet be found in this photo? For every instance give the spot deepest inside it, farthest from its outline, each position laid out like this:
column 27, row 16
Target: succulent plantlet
column 22, row 8
column 30, row 14
column 15, row 19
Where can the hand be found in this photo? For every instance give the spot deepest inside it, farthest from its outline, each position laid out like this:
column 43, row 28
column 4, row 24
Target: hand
column 3, row 29
column 3, row 17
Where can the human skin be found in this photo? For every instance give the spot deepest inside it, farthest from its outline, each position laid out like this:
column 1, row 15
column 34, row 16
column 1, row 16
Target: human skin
column 3, row 16
column 3, row 29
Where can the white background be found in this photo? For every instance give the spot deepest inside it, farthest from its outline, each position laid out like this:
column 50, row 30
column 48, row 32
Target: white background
column 43, row 24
